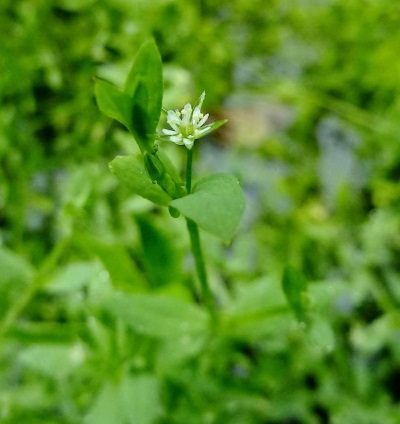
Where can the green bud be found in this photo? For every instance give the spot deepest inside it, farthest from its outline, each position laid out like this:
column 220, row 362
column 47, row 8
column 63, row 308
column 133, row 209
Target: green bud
column 168, row 185
column 173, row 212
column 154, row 167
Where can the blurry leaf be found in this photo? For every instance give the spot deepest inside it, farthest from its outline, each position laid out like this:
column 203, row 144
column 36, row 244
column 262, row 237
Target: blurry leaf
column 216, row 204
column 113, row 102
column 158, row 252
column 29, row 332
column 140, row 399
column 106, row 408
column 130, row 171
column 156, row 316
column 145, row 86
column 320, row 334
column 14, row 269
column 135, row 400
column 295, row 288
column 77, row 188
column 258, row 309
column 259, row 295
column 75, row 5
column 115, row 258
column 54, row 361
column 73, row 277
column 15, row 274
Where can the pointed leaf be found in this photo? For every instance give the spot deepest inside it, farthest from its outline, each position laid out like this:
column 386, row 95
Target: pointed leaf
column 294, row 286
column 145, row 86
column 130, row 171
column 113, row 102
column 216, row 204
column 15, row 276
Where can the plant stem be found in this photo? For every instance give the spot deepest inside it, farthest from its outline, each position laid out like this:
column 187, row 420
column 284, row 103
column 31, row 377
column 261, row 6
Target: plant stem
column 189, row 162
column 39, row 280
column 200, row 266
column 196, row 246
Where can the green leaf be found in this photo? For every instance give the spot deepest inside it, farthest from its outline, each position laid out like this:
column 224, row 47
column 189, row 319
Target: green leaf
column 15, row 276
column 294, row 286
column 73, row 277
column 144, row 86
column 135, row 400
column 156, row 248
column 170, row 167
column 113, row 102
column 52, row 360
column 320, row 333
column 159, row 316
column 130, row 171
column 115, row 258
column 216, row 204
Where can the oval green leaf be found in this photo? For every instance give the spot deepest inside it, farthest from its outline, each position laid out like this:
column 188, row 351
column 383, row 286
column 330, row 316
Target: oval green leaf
column 130, row 171
column 216, row 204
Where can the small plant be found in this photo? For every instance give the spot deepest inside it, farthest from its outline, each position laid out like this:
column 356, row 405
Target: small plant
column 214, row 203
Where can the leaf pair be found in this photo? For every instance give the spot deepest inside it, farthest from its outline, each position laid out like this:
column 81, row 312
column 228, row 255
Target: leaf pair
column 138, row 106
column 216, row 203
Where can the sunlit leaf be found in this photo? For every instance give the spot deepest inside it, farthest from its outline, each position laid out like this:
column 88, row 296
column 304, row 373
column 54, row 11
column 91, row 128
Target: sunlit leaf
column 130, row 171
column 216, row 204
column 144, row 86
column 113, row 102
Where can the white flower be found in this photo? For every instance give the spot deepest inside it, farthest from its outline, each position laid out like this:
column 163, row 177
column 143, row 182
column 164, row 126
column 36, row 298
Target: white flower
column 188, row 124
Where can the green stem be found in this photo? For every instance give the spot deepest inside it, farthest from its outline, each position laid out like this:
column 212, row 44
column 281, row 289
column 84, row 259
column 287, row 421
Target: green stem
column 200, row 266
column 40, row 279
column 189, row 162
column 196, row 246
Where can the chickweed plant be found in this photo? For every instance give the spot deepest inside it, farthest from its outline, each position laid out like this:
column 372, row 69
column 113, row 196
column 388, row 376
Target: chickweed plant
column 214, row 203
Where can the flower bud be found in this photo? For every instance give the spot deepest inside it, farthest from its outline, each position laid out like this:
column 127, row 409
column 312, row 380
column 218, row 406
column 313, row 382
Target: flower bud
column 153, row 167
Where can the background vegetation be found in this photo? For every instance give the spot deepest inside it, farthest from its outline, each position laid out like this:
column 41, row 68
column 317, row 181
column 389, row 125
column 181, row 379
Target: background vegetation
column 311, row 91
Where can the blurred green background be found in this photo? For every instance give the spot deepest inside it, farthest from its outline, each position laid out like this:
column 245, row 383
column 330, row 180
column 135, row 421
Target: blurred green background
column 311, row 89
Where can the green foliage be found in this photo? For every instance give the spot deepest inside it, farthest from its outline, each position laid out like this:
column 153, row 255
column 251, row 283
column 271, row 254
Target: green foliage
column 138, row 107
column 101, row 320
column 162, row 317
column 216, row 204
column 130, row 171
column 295, row 288
column 132, row 400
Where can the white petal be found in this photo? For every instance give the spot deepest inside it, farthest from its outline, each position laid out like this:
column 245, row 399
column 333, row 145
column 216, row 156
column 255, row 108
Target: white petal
column 188, row 143
column 196, row 115
column 169, row 132
column 203, row 120
column 173, row 118
column 176, row 139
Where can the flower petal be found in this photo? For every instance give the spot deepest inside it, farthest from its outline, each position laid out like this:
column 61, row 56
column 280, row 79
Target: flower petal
column 203, row 120
column 169, row 132
column 188, row 143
